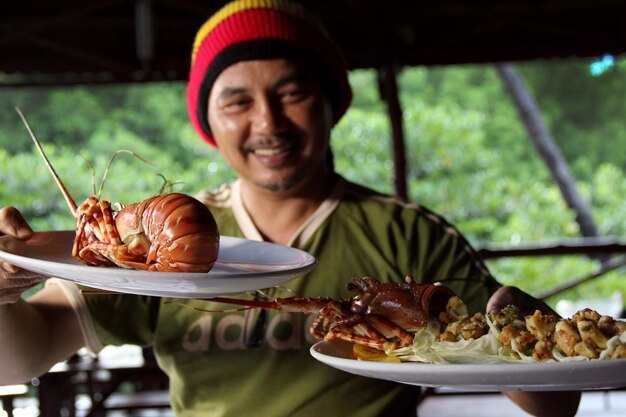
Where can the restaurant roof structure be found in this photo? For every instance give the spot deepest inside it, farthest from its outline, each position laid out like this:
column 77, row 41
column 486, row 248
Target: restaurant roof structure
column 114, row 41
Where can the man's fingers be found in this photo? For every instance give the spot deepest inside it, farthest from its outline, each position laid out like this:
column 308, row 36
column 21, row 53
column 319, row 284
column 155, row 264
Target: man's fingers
column 526, row 303
column 12, row 285
column 7, row 267
column 26, row 282
column 12, row 223
column 20, row 278
column 500, row 299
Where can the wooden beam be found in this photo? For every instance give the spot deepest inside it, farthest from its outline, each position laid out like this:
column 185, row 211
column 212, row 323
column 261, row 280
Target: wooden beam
column 563, row 247
column 547, row 148
column 608, row 266
column 388, row 88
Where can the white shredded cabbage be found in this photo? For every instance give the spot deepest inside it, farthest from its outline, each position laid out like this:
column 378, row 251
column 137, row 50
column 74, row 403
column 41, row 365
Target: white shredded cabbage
column 611, row 345
column 522, row 356
column 486, row 348
column 492, row 326
column 560, row 357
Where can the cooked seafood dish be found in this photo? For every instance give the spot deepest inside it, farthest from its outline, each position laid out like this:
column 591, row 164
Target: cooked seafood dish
column 509, row 336
column 395, row 322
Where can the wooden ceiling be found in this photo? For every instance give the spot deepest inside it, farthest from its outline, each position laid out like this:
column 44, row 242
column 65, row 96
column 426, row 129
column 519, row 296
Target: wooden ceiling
column 59, row 42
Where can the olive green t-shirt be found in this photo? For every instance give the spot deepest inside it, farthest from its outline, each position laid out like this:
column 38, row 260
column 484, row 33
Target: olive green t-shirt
column 356, row 232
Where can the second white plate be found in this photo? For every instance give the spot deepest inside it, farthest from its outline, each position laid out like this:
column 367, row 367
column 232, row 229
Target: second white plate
column 242, row 265
column 548, row 376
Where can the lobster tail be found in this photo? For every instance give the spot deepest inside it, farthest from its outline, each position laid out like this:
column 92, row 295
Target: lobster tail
column 176, row 233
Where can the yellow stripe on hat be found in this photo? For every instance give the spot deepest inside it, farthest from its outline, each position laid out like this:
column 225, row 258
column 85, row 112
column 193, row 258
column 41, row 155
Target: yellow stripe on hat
column 237, row 6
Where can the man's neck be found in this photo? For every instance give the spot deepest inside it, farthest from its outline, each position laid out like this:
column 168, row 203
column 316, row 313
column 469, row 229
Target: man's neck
column 278, row 215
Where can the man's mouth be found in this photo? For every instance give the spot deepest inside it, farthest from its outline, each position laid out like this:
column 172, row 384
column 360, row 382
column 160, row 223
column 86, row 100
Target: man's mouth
column 271, row 150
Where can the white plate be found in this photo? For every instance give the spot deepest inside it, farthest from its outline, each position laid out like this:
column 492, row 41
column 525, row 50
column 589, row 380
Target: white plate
column 242, row 265
column 549, row 376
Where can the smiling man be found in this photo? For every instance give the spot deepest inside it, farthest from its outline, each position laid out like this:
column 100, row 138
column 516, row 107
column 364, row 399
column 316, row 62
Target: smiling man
column 266, row 87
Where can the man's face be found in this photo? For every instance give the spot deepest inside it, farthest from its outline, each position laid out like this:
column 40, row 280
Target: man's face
column 271, row 121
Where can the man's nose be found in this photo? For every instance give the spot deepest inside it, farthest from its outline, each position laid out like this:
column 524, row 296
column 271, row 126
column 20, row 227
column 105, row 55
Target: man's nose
column 268, row 117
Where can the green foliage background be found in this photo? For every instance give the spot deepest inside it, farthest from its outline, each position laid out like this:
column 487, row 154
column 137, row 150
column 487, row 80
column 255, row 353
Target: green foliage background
column 468, row 155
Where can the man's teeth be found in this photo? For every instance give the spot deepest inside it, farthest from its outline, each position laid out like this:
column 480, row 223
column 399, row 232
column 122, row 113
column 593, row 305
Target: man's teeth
column 269, row 151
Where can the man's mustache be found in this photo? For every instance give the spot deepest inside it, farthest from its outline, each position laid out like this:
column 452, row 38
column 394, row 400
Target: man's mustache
column 272, row 142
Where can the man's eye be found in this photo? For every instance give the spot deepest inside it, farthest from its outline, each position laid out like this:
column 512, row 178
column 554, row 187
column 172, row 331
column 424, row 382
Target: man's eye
column 294, row 96
column 234, row 105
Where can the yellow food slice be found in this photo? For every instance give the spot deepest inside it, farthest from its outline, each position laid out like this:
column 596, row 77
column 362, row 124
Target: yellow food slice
column 365, row 353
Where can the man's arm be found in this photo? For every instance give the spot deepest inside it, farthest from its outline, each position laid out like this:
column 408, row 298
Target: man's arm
column 546, row 403
column 35, row 334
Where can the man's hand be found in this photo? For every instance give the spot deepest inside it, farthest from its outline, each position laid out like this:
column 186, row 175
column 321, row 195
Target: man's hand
column 553, row 403
column 12, row 285
column 13, row 280
column 526, row 303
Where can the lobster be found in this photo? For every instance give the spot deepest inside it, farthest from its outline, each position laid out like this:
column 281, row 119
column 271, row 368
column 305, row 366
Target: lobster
column 172, row 232
column 383, row 316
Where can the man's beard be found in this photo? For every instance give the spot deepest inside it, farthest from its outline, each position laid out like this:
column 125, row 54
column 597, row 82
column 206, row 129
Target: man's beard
column 290, row 180
column 285, row 183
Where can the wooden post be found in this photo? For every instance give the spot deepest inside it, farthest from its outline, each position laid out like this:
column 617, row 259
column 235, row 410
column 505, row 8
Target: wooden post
column 388, row 88
column 547, row 148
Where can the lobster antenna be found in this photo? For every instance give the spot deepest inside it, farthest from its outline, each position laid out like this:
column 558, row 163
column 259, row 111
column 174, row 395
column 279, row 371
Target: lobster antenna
column 93, row 173
column 106, row 171
column 166, row 185
column 68, row 199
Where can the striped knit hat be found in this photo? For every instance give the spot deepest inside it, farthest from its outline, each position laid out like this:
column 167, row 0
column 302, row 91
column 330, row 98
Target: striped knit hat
column 262, row 29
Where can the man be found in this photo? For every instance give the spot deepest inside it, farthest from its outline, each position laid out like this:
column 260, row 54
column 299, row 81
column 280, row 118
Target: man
column 266, row 87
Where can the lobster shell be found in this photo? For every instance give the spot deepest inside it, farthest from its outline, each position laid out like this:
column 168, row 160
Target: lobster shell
column 408, row 305
column 180, row 232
